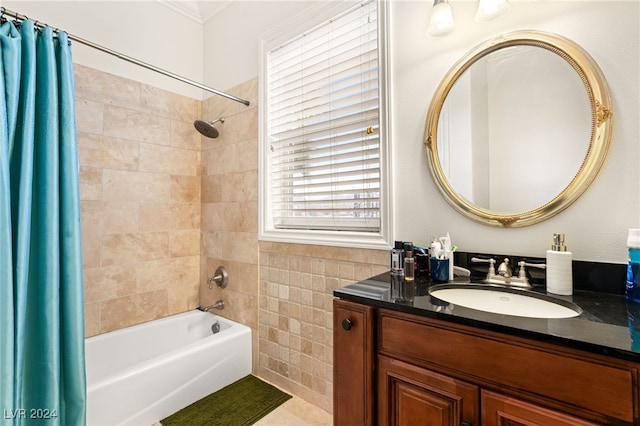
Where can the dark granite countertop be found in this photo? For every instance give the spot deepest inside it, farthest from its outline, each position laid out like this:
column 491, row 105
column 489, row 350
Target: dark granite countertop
column 603, row 327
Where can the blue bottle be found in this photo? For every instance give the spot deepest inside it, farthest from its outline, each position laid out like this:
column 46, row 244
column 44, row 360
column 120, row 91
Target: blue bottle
column 633, row 269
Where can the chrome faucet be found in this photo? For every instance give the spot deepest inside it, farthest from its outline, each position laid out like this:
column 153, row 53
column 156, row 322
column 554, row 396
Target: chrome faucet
column 505, row 273
column 218, row 305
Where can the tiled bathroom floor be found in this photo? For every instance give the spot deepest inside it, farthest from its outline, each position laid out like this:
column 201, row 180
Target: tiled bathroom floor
column 296, row 412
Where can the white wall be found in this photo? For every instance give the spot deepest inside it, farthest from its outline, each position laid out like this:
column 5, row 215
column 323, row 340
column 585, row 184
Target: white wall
column 145, row 30
column 231, row 38
column 596, row 225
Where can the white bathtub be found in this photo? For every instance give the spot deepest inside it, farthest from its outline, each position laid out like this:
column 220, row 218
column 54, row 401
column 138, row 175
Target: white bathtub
column 141, row 374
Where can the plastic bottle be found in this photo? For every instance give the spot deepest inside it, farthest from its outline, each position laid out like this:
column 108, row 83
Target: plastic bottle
column 559, row 268
column 633, row 243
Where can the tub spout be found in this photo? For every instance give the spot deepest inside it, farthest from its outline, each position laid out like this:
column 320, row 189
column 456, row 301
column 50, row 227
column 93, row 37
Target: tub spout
column 218, row 305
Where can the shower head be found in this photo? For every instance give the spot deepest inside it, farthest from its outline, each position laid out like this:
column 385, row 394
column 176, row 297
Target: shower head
column 206, row 128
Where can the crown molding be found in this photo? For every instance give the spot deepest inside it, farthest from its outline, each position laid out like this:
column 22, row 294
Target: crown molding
column 199, row 11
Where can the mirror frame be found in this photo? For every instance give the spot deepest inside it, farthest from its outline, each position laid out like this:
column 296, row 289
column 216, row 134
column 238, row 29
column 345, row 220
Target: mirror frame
column 601, row 127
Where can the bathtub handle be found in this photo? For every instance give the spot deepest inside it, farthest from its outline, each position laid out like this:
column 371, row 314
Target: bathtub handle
column 221, row 278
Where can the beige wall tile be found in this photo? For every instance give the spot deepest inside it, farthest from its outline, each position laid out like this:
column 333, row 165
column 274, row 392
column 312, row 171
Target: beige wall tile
column 184, row 135
column 109, row 282
column 161, row 159
column 240, row 186
column 156, row 217
column 296, row 311
column 185, row 189
column 128, row 248
column 220, row 217
column 152, row 305
column 132, row 273
column 248, row 216
column 117, row 313
column 184, row 243
column 183, row 297
column 90, row 183
column 91, row 250
column 89, row 116
column 104, row 152
column 167, row 273
column 91, row 319
column 241, row 247
column 243, row 126
column 211, row 246
column 167, row 104
column 104, row 88
column 135, row 125
column 135, row 186
column 119, row 216
column 211, row 188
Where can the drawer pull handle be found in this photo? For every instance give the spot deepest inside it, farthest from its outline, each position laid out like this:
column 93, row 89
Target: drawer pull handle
column 347, row 324
column 465, row 423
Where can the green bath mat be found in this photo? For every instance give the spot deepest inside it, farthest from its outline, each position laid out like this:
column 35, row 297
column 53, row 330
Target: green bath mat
column 241, row 403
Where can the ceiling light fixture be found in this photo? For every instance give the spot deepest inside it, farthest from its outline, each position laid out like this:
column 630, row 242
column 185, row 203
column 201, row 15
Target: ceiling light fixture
column 491, row 9
column 441, row 20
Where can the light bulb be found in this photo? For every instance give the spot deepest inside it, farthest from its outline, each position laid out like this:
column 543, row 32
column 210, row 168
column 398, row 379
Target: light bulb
column 491, row 9
column 441, row 20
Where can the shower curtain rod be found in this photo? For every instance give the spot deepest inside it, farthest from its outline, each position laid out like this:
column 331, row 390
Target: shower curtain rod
column 4, row 11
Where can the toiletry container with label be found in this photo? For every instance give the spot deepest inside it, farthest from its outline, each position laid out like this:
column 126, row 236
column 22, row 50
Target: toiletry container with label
column 559, row 268
column 633, row 268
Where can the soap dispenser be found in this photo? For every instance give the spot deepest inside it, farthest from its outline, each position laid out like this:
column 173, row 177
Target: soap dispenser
column 559, row 268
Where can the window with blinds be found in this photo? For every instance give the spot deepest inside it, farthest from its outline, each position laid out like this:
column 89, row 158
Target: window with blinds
column 322, row 126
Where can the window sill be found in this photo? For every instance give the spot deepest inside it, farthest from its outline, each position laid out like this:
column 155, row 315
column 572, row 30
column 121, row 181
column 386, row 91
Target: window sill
column 363, row 240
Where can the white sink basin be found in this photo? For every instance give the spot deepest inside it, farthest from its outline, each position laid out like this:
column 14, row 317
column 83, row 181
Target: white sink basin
column 504, row 300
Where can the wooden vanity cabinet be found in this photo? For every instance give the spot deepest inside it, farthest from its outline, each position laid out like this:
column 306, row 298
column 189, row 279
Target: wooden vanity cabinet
column 353, row 364
column 434, row 372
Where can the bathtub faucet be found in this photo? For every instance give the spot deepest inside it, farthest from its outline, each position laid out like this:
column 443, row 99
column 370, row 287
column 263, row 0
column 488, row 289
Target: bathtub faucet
column 218, row 305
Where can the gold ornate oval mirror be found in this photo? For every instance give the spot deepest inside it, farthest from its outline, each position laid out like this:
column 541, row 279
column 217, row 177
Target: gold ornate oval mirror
column 518, row 128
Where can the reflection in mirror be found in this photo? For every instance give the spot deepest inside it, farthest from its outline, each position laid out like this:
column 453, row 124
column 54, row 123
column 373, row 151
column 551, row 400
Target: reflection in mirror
column 515, row 131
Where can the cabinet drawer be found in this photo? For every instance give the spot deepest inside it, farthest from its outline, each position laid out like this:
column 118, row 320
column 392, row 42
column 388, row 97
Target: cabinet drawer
column 497, row 360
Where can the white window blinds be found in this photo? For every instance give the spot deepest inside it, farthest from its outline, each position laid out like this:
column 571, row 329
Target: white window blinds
column 322, row 126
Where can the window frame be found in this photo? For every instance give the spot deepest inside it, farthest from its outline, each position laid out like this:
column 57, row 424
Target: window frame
column 309, row 18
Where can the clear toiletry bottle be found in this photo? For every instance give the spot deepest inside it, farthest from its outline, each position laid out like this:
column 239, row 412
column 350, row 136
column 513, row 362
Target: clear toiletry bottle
column 559, row 268
column 409, row 267
column 633, row 268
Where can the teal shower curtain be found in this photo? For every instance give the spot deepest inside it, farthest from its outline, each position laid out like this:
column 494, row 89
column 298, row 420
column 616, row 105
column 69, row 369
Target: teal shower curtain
column 42, row 368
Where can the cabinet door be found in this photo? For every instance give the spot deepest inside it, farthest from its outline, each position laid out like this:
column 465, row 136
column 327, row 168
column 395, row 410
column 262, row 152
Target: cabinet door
column 501, row 410
column 410, row 396
column 353, row 357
